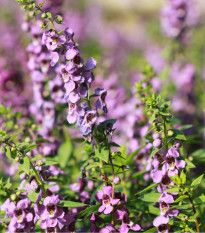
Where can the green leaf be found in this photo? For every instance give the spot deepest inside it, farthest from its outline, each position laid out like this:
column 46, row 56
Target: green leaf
column 32, row 195
column 8, row 152
column 196, row 182
column 102, row 153
column 147, row 188
column 179, row 134
column 189, row 164
column 180, row 198
column 140, row 173
column 25, row 165
column 48, row 15
column 150, row 197
column 183, row 177
column 176, row 179
column 71, row 204
column 29, row 148
column 155, row 151
column 184, row 127
column 48, row 163
column 151, row 230
column 5, row 220
column 13, row 137
column 173, row 190
column 114, row 144
column 200, row 199
column 41, row 4
column 92, row 165
column 88, row 210
column 132, row 155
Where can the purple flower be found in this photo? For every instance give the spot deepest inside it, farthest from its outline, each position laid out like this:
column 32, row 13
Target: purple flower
column 171, row 161
column 161, row 222
column 22, row 216
column 100, row 103
column 52, row 40
column 104, row 196
column 51, row 214
column 164, row 201
column 88, row 122
column 162, row 177
column 109, row 228
column 91, row 64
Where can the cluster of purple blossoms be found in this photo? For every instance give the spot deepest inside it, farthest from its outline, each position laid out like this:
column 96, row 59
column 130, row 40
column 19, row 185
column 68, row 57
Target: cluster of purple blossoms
column 177, row 16
column 77, row 78
column 165, row 167
column 112, row 203
column 22, row 215
column 53, row 216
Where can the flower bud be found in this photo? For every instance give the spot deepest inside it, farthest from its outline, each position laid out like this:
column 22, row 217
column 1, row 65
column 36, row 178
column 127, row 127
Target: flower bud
column 191, row 158
column 170, row 133
column 157, row 143
column 43, row 15
column 177, row 143
column 17, row 159
column 27, row 139
column 39, row 162
column 18, row 193
column 13, row 197
column 117, row 180
column 58, row 19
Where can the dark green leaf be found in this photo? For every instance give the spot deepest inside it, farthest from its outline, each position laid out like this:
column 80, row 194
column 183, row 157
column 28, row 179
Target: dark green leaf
column 147, row 188
column 151, row 230
column 29, row 148
column 88, row 210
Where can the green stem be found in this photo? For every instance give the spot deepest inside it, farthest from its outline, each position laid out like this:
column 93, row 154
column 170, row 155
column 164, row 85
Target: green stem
column 165, row 135
column 194, row 209
column 38, row 179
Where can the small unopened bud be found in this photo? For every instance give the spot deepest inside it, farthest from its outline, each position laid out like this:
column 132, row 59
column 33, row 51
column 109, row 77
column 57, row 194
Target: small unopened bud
column 43, row 15
column 177, row 143
column 17, row 159
column 191, row 158
column 13, row 197
column 27, row 139
column 39, row 162
column 18, row 193
column 170, row 133
column 180, row 203
column 191, row 189
column 117, row 180
column 58, row 18
column 157, row 143
column 33, row 127
column 16, row 127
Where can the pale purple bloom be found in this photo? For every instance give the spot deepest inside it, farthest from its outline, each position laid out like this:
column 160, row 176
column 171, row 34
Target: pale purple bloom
column 104, row 196
column 161, row 222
